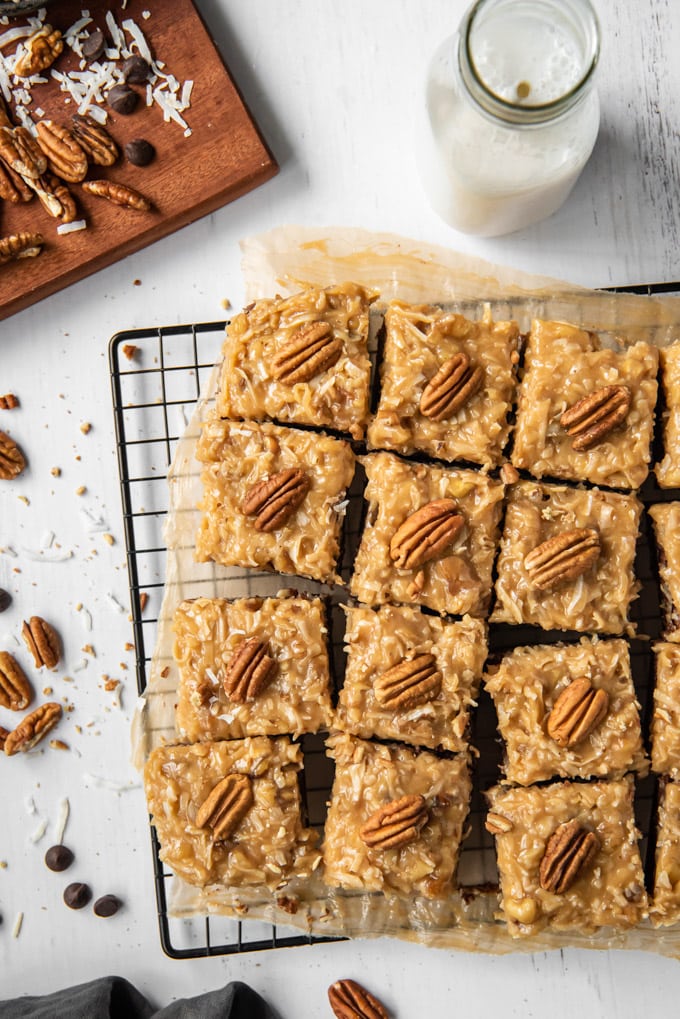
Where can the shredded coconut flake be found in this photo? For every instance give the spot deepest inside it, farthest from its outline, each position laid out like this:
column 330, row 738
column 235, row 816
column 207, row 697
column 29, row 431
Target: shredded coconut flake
column 16, row 930
column 114, row 601
column 70, row 228
column 39, row 831
column 64, row 811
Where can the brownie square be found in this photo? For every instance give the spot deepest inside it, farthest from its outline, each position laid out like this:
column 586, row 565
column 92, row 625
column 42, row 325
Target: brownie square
column 668, row 470
column 665, row 727
column 666, row 897
column 446, row 384
column 666, row 519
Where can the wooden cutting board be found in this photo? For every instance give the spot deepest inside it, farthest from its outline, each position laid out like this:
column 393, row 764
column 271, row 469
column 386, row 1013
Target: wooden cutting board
column 224, row 157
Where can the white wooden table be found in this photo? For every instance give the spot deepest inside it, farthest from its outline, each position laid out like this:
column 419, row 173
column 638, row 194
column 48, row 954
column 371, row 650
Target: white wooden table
column 334, row 88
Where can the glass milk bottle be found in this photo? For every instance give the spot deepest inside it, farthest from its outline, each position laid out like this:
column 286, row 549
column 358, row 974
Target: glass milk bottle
column 511, row 113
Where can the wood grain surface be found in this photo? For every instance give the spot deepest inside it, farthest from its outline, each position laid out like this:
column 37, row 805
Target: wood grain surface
column 224, row 157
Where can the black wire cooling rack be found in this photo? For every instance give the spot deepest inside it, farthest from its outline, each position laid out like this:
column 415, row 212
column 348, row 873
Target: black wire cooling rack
column 157, row 376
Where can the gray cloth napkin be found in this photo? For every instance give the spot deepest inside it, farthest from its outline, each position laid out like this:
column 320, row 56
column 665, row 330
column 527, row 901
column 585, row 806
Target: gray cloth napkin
column 116, row 998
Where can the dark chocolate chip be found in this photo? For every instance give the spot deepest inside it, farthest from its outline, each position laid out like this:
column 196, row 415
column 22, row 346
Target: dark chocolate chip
column 77, row 895
column 5, row 599
column 122, row 99
column 94, row 45
column 108, row 905
column 139, row 152
column 136, row 70
column 58, row 858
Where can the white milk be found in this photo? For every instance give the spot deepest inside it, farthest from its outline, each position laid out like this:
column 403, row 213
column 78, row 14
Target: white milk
column 493, row 156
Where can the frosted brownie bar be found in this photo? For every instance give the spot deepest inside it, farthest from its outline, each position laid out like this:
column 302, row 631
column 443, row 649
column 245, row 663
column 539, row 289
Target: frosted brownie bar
column 430, row 536
column 665, row 727
column 666, row 518
column 410, row 677
column 568, row 856
column 566, row 559
column 668, row 471
column 567, row 710
column 251, row 667
column 585, row 412
column 447, row 384
column 666, row 899
column 229, row 812
column 395, row 820
column 273, row 497
column 300, row 359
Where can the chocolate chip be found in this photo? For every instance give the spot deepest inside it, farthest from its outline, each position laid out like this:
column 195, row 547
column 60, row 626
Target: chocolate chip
column 140, row 152
column 58, row 858
column 136, row 70
column 107, row 905
column 122, row 99
column 77, row 895
column 5, row 599
column 93, row 47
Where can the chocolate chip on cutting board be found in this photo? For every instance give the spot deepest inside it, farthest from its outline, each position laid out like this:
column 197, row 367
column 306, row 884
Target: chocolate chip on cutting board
column 139, row 152
column 77, row 895
column 58, row 858
column 122, row 99
column 94, row 45
column 136, row 70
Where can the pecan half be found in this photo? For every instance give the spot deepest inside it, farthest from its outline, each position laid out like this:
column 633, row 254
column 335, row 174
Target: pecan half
column 570, row 848
column 4, row 733
column 425, row 534
column 563, row 557
column 56, row 197
column 4, row 114
column 249, row 670
column 396, row 824
column 226, row 805
column 498, row 824
column 409, row 683
column 119, row 194
column 593, row 417
column 16, row 693
column 311, row 349
column 41, row 50
column 23, row 245
column 13, row 188
column 12, row 461
column 578, row 710
column 21, row 152
column 64, row 155
column 94, row 140
column 33, row 728
column 273, row 500
column 42, row 641
column 349, row 1000
column 456, row 381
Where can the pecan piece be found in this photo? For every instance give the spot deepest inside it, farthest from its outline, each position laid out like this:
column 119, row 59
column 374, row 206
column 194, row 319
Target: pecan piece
column 13, row 188
column 396, row 824
column 311, row 349
column 273, row 500
column 12, row 461
column 58, row 192
column 16, row 693
column 593, row 417
column 119, row 194
column 577, row 712
column 42, row 641
column 498, row 824
column 64, row 155
column 349, row 1000
column 425, row 534
column 570, row 848
column 249, row 670
column 4, row 733
column 23, row 245
column 226, row 805
column 21, row 152
column 456, row 381
column 409, row 683
column 33, row 728
column 4, row 115
column 563, row 557
column 40, row 51
column 94, row 140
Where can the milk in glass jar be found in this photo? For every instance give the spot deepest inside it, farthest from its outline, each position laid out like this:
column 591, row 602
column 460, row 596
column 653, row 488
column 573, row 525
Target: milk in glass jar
column 511, row 113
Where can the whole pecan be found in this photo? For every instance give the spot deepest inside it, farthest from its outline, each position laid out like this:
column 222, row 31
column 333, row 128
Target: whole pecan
column 570, row 848
column 409, row 683
column 41, row 50
column 456, row 381
column 33, row 728
column 94, row 140
column 42, row 641
column 12, row 461
column 21, row 152
column 64, row 155
column 16, row 693
column 310, row 350
column 273, row 500
column 594, row 416
column 425, row 534
column 249, row 670
column 396, row 824
column 578, row 710
column 563, row 557
column 349, row 1000
column 497, row 824
column 118, row 194
column 226, row 805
